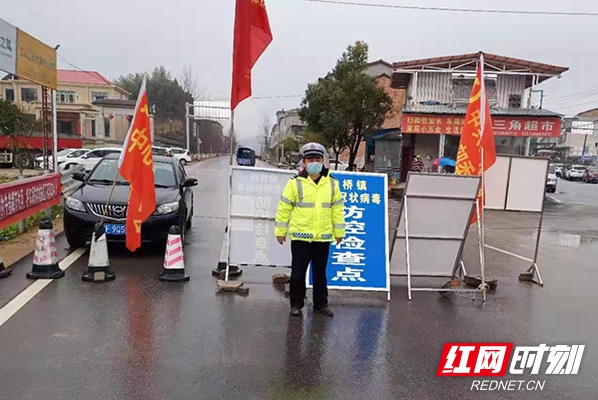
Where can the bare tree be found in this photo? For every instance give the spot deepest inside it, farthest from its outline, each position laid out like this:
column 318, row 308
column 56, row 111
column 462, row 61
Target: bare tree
column 266, row 128
column 190, row 83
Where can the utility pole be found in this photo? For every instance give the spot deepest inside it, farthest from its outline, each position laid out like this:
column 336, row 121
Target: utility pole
column 187, row 116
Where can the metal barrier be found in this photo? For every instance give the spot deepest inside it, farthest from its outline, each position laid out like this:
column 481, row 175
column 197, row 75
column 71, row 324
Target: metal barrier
column 69, row 185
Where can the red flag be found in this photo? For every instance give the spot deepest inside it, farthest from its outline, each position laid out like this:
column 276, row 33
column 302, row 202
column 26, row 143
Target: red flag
column 136, row 165
column 477, row 136
column 252, row 36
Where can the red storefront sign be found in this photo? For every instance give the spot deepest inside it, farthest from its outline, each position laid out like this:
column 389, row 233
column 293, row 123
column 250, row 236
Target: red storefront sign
column 20, row 199
column 501, row 126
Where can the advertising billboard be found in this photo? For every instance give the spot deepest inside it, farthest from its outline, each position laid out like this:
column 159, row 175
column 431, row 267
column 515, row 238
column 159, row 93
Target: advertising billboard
column 8, row 47
column 36, row 61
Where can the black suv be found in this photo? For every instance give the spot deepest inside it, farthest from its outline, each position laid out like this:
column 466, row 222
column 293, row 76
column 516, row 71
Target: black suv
column 174, row 203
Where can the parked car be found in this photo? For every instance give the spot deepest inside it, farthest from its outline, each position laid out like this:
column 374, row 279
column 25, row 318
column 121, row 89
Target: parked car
column 559, row 168
column 551, row 179
column 575, row 172
column 85, row 207
column 62, row 156
column 590, row 175
column 161, row 151
column 91, row 158
column 182, row 155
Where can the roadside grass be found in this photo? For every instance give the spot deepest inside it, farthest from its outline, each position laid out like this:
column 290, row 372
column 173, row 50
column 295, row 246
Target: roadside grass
column 12, row 231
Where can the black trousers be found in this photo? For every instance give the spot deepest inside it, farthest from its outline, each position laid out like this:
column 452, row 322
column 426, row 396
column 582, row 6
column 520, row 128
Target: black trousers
column 303, row 253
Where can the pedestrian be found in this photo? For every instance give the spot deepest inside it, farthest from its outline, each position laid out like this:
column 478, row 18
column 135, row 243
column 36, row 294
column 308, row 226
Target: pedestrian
column 311, row 212
column 417, row 165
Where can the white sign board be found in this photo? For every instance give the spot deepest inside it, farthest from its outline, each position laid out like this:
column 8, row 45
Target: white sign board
column 255, row 193
column 439, row 211
column 582, row 127
column 211, row 110
column 8, row 47
column 516, row 183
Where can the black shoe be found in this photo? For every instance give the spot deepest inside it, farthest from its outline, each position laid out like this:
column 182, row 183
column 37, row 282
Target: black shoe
column 325, row 311
column 296, row 312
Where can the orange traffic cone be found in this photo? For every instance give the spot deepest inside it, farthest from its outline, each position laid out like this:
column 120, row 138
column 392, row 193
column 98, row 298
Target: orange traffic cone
column 174, row 259
column 45, row 259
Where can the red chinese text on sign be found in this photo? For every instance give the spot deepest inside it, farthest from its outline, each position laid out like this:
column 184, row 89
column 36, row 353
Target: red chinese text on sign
column 474, row 359
column 20, row 199
column 501, row 126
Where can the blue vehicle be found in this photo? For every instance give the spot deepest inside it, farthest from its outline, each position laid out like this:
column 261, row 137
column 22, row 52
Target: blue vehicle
column 245, row 156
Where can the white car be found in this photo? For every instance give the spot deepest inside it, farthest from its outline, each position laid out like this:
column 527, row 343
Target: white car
column 551, row 179
column 182, row 155
column 341, row 165
column 90, row 159
column 575, row 172
column 62, row 156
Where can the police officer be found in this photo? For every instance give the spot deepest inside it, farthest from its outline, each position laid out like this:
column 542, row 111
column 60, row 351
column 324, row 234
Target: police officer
column 311, row 212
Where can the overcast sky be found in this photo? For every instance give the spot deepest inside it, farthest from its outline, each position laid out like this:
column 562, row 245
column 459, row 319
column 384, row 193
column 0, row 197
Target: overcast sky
column 116, row 37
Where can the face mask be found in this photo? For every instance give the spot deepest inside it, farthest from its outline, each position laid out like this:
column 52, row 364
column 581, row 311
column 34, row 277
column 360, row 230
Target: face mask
column 314, row 168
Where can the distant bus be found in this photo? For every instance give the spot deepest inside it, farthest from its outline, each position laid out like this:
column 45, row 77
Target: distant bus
column 245, row 156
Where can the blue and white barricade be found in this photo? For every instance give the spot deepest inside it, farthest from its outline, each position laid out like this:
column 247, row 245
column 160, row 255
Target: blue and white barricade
column 361, row 260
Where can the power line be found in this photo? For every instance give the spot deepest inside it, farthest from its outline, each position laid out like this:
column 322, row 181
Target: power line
column 450, row 9
column 574, row 96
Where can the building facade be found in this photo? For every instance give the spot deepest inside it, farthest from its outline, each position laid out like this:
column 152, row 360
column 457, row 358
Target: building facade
column 88, row 105
column 288, row 124
column 437, row 95
column 579, row 140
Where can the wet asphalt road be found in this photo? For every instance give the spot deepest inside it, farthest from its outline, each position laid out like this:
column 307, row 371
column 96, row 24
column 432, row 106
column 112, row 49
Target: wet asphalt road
column 575, row 192
column 139, row 338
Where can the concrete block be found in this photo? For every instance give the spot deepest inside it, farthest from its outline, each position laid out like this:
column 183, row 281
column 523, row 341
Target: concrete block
column 281, row 278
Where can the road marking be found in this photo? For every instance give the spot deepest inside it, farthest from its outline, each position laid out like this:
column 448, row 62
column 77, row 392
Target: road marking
column 554, row 199
column 26, row 295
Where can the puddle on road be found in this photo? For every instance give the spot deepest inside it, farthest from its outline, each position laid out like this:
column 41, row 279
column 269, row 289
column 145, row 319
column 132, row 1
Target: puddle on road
column 570, row 240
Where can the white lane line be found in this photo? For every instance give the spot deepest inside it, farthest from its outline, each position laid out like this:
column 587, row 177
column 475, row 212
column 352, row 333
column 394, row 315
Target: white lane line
column 554, row 199
column 26, row 295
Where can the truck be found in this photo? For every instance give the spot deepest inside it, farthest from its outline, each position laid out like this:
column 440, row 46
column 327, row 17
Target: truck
column 30, row 147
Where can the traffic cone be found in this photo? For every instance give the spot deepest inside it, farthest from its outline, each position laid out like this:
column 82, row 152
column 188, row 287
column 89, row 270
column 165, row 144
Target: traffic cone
column 4, row 272
column 174, row 259
column 45, row 259
column 98, row 267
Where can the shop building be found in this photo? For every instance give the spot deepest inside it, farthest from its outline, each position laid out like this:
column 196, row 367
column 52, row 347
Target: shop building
column 437, row 95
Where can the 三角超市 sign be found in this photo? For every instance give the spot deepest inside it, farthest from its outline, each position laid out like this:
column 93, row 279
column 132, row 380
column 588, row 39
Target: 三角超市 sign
column 501, row 125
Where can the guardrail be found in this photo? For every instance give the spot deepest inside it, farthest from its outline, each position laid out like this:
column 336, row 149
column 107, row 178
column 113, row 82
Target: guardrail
column 69, row 185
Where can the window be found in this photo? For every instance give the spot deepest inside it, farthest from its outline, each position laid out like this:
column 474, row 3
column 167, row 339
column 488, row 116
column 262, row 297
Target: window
column 66, row 127
column 98, row 96
column 93, row 128
column 107, row 127
column 77, row 153
column 95, row 154
column 28, row 94
column 10, row 94
column 514, row 101
column 64, row 96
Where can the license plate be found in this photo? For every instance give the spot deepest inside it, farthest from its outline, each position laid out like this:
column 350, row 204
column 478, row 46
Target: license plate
column 112, row 229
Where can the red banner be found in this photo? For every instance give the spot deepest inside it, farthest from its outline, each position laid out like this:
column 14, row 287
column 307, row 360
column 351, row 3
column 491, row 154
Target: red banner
column 36, row 142
column 20, row 199
column 501, row 126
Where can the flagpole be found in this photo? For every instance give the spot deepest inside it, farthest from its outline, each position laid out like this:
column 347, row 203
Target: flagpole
column 483, row 174
column 232, row 130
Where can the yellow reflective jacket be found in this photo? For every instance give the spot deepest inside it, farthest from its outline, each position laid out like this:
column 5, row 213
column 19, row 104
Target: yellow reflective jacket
column 311, row 212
